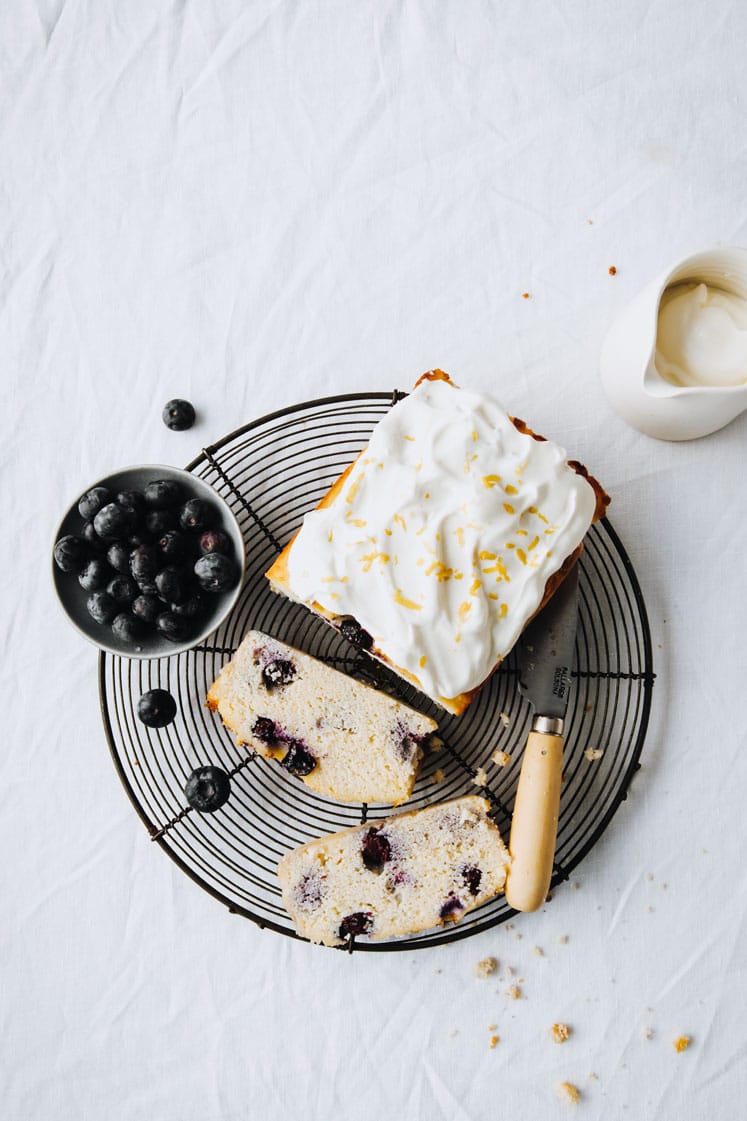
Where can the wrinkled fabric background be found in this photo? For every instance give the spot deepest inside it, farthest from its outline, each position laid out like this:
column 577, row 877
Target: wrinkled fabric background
column 251, row 204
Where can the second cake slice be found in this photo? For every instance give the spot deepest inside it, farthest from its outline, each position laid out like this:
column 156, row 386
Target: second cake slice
column 341, row 738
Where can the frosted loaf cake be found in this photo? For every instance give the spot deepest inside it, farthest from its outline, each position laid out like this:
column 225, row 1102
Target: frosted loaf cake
column 406, row 874
column 341, row 738
column 441, row 541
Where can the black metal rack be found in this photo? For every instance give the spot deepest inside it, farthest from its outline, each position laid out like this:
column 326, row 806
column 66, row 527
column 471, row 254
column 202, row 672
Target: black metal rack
column 271, row 472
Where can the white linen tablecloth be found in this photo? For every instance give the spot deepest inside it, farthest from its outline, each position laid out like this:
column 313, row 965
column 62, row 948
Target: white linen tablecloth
column 251, row 204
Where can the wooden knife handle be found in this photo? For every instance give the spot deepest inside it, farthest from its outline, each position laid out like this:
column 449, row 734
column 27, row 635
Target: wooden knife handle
column 534, row 826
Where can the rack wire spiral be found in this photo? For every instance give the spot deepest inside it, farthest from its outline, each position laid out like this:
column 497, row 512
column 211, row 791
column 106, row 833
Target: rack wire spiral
column 271, row 472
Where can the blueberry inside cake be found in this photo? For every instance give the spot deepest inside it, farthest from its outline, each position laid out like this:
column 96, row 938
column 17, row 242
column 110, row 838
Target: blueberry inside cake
column 402, row 875
column 341, row 738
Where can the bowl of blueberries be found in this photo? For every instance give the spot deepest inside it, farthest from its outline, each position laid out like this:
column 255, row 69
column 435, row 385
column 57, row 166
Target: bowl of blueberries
column 148, row 562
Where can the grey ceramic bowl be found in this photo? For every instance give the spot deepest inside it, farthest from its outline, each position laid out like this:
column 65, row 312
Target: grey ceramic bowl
column 73, row 598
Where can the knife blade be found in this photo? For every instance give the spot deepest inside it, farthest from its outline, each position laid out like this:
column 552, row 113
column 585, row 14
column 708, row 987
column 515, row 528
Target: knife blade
column 546, row 653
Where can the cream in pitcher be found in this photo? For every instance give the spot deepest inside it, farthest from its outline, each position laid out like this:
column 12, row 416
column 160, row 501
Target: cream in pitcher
column 674, row 362
column 702, row 336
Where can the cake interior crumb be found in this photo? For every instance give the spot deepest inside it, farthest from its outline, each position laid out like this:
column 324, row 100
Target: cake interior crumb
column 593, row 753
column 514, row 992
column 560, row 1032
column 563, row 939
column 481, row 777
column 647, row 1033
column 501, row 758
column 494, row 1041
column 486, row 967
column 681, row 1043
column 568, row 1093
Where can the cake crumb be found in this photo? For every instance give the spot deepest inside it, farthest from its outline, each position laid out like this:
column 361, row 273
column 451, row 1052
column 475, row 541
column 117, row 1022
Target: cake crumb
column 575, row 885
column 560, row 1032
column 439, row 776
column 612, row 270
column 518, row 937
column 435, row 743
column 525, row 295
column 568, row 1093
column 514, row 992
column 509, row 926
column 508, row 972
column 481, row 777
column 494, row 1041
column 588, row 707
column 649, row 875
column 501, row 758
column 538, row 951
column 486, row 967
column 647, row 1033
column 593, row 753
column 681, row 1043
column 594, row 1076
column 563, row 939
column 504, row 718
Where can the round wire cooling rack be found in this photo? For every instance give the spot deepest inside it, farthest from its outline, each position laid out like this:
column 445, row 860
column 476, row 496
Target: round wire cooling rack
column 271, row 472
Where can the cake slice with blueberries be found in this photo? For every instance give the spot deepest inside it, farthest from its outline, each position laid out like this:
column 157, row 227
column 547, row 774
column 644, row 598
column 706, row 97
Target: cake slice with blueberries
column 340, row 737
column 403, row 875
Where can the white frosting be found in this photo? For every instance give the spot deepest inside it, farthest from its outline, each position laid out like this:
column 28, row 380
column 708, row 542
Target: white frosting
column 443, row 536
column 702, row 336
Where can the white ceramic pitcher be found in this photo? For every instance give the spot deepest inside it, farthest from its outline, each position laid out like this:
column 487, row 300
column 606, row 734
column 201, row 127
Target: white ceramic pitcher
column 635, row 388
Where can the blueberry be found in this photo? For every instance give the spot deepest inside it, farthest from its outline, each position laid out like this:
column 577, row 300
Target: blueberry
column 157, row 522
column 266, row 731
column 298, row 759
column 173, row 545
column 94, row 575
column 93, row 501
column 375, row 850
column 113, row 522
column 138, row 538
column 92, row 539
column 451, row 908
column 127, row 627
column 147, row 607
column 351, row 629
column 172, row 627
column 162, row 493
column 195, row 514
column 71, row 553
column 215, row 572
column 278, row 673
column 144, row 563
column 178, row 415
column 119, row 558
column 207, row 789
column 133, row 500
column 156, row 708
column 310, row 890
column 472, row 875
column 173, row 584
column 101, row 607
column 213, row 541
column 360, row 922
column 191, row 608
column 122, row 589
